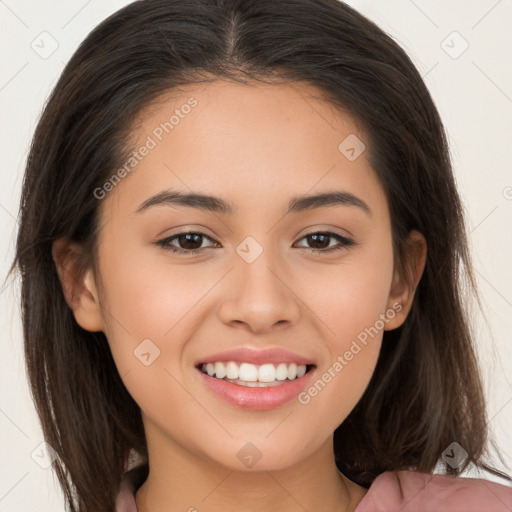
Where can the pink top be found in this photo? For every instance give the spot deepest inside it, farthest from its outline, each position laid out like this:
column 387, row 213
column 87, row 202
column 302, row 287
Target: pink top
column 406, row 491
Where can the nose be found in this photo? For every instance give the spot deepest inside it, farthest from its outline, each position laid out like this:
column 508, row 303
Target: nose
column 259, row 297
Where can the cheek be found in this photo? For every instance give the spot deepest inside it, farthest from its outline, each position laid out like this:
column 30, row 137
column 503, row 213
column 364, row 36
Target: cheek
column 147, row 300
column 147, row 333
column 351, row 302
column 353, row 340
column 350, row 296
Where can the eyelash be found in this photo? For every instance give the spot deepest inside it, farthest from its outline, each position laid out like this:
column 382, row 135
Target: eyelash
column 165, row 243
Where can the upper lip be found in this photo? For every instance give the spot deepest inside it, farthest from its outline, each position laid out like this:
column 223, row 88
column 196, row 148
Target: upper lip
column 257, row 356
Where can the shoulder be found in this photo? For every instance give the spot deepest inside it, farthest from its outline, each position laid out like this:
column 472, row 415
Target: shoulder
column 415, row 491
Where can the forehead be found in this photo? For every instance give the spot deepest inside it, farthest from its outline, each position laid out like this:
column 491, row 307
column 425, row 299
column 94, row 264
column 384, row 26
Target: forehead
column 245, row 142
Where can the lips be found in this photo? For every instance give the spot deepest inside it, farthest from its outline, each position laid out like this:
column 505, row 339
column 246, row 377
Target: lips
column 273, row 395
column 257, row 357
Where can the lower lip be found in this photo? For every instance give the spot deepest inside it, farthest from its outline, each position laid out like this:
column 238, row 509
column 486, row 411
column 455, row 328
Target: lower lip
column 256, row 398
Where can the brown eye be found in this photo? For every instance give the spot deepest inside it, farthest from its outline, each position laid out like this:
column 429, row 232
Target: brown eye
column 320, row 241
column 187, row 242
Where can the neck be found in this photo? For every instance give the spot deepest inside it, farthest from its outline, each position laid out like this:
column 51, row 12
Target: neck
column 181, row 480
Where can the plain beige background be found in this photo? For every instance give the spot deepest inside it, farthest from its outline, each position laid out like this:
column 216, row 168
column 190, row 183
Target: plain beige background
column 462, row 48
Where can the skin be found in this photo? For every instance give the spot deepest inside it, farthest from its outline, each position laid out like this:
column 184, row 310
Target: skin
column 255, row 146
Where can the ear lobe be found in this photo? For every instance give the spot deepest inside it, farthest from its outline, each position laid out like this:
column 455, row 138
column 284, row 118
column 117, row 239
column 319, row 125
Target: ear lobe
column 78, row 284
column 406, row 279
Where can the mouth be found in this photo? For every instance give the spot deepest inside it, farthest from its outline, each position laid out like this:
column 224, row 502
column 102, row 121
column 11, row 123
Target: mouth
column 251, row 375
column 254, row 387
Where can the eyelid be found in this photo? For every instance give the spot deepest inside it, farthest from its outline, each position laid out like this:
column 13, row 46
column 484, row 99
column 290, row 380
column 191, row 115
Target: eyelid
column 326, row 228
column 165, row 242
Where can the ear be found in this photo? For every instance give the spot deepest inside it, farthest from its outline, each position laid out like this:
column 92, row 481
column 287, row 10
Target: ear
column 406, row 278
column 78, row 284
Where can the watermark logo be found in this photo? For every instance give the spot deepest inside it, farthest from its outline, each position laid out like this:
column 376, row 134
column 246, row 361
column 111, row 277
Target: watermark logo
column 249, row 249
column 249, row 455
column 45, row 45
column 454, row 45
column 352, row 147
column 454, row 455
column 146, row 352
column 44, row 455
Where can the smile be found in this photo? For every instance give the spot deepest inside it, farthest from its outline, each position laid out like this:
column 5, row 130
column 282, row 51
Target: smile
column 251, row 375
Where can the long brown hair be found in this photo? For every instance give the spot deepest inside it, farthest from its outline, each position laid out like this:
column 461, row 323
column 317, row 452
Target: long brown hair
column 426, row 391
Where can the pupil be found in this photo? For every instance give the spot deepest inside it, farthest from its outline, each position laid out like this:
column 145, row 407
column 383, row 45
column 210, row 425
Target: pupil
column 315, row 240
column 188, row 237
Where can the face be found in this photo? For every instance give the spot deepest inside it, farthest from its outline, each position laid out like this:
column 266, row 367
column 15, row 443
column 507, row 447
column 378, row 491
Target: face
column 285, row 278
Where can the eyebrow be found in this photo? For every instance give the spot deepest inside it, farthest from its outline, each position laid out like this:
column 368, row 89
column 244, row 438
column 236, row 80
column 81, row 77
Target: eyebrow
column 215, row 204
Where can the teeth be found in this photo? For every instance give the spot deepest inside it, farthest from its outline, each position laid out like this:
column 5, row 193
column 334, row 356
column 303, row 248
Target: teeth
column 248, row 372
column 282, row 371
column 266, row 373
column 232, row 370
column 220, row 370
column 251, row 373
